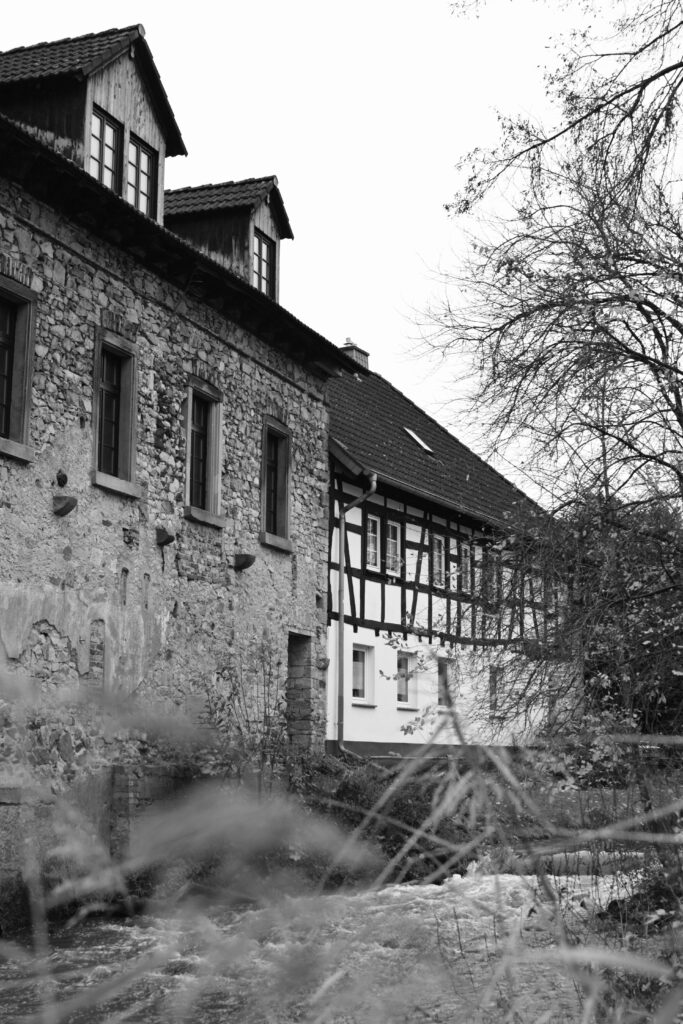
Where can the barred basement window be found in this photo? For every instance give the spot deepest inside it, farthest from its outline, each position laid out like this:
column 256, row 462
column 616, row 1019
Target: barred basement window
column 17, row 305
column 115, row 414
column 203, row 418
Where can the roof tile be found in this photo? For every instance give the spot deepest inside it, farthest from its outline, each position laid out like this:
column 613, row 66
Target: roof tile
column 76, row 56
column 368, row 417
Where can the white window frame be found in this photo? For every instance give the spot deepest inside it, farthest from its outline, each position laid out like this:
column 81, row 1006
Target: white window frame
column 406, row 679
column 438, row 561
column 16, row 444
column 372, row 529
column 393, row 563
column 365, row 656
column 211, row 515
column 444, row 679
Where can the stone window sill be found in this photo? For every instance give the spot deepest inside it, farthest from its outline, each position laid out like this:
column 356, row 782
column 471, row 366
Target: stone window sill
column 200, row 515
column 362, row 704
column 271, row 540
column 116, row 484
column 406, row 707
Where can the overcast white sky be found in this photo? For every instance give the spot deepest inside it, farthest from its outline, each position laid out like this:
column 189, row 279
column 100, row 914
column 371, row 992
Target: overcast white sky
column 362, row 110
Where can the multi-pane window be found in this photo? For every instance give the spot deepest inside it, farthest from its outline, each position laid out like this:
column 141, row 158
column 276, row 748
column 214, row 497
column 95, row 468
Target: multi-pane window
column 109, row 426
column 393, row 552
column 372, row 543
column 7, row 334
column 142, row 174
column 438, row 561
column 263, row 275
column 275, row 482
column 16, row 366
column 203, row 453
column 199, row 451
column 405, row 672
column 105, row 150
column 115, row 413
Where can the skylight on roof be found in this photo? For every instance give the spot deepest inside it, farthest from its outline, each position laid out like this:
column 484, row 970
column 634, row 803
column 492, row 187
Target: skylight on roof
column 419, row 440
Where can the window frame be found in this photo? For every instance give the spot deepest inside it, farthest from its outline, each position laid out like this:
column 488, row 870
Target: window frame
column 264, row 280
column 16, row 444
column 375, row 520
column 443, row 685
column 117, row 127
column 409, row 702
column 208, row 394
column 124, row 482
column 366, row 700
column 494, row 681
column 274, row 429
column 140, row 147
column 439, row 578
column 392, row 569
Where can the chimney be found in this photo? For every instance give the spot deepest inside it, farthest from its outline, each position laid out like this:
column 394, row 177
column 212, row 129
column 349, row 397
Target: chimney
column 359, row 355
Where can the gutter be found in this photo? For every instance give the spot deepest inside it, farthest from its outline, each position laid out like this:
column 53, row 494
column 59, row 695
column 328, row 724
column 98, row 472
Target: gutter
column 343, row 509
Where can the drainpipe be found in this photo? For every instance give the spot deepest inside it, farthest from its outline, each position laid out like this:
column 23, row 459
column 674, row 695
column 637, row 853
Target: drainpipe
column 343, row 509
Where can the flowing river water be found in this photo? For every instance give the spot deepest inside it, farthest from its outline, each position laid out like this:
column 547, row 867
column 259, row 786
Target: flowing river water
column 465, row 951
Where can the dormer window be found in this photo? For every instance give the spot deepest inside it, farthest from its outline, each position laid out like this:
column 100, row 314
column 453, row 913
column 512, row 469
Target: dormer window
column 105, row 150
column 263, row 276
column 142, row 176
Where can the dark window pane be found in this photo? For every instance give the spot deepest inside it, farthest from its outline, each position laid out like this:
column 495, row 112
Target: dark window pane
column 7, row 330
column 110, row 414
column 272, row 468
column 199, row 451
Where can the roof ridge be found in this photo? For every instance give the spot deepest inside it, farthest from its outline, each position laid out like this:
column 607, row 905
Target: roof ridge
column 222, row 184
column 74, row 39
column 453, row 437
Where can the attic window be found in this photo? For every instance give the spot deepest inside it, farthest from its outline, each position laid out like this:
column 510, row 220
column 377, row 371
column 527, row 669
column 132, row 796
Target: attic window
column 105, row 150
column 419, row 440
column 264, row 264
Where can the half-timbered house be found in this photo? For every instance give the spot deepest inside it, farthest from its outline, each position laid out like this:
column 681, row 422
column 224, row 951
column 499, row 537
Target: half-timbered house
column 437, row 612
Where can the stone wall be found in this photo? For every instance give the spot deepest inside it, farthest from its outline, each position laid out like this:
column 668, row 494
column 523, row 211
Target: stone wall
column 90, row 596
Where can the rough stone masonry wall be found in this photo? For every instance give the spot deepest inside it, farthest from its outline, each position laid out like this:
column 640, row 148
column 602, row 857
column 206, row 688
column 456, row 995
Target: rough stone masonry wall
column 91, row 596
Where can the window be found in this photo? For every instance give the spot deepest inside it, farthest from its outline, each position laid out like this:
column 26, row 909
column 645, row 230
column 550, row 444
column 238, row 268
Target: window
column 406, row 665
column 465, row 567
column 142, row 176
column 16, row 368
column 495, row 676
column 105, row 150
column 438, row 561
column 264, row 264
column 115, row 413
column 372, row 543
column 444, row 697
column 203, row 417
column 362, row 686
column 393, row 554
column 275, row 485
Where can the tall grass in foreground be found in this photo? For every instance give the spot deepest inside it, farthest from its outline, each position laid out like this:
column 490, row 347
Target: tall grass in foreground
column 554, row 903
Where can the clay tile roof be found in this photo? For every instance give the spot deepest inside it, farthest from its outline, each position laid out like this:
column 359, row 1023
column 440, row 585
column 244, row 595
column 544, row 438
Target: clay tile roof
column 368, row 419
column 81, row 57
column 250, row 192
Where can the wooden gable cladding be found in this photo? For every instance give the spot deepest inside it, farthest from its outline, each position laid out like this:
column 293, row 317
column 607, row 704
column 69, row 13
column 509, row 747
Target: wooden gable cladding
column 455, row 583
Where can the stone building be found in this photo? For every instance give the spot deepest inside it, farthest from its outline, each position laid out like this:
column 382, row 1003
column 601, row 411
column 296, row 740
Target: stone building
column 163, row 434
